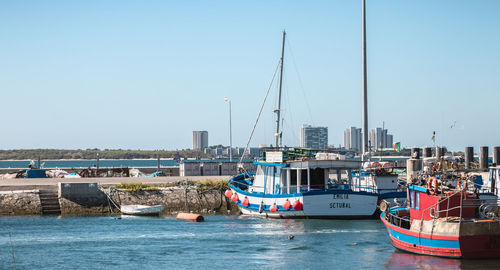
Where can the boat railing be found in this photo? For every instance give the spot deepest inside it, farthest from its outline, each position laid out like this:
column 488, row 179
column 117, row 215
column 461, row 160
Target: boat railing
column 369, row 189
column 398, row 220
column 482, row 189
column 488, row 208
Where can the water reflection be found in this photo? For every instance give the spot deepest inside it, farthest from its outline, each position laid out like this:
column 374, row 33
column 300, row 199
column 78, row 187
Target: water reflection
column 404, row 260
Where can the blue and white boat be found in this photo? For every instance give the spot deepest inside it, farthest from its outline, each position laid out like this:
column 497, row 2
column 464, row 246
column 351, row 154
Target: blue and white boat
column 288, row 186
column 303, row 183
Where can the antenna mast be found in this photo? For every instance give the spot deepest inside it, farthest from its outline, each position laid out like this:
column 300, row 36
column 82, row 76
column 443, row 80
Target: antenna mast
column 278, row 110
column 365, row 99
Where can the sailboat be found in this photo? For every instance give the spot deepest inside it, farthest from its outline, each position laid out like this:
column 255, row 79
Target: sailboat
column 301, row 183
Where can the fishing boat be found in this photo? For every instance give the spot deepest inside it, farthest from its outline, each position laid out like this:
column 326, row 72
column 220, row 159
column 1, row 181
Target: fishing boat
column 141, row 210
column 299, row 182
column 445, row 221
column 380, row 177
column 293, row 184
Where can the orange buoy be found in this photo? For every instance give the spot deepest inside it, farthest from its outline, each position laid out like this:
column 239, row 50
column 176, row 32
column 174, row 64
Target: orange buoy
column 245, row 202
column 297, row 205
column 229, row 193
column 273, row 208
column 235, row 198
column 375, row 165
column 387, row 167
column 191, row 217
column 287, row 204
column 432, row 185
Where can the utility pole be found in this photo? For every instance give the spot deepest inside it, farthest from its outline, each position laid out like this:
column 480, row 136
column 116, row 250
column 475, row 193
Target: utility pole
column 230, row 132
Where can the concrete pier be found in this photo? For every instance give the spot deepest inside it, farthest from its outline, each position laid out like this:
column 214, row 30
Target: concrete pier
column 84, row 197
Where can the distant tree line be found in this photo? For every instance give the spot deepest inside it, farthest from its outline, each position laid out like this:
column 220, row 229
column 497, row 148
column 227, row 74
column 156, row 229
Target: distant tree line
column 33, row 154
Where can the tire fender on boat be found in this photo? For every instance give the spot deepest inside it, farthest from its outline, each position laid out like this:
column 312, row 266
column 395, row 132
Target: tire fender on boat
column 261, row 207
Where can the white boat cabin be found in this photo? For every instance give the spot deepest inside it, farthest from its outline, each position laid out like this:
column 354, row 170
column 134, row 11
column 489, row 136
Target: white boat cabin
column 278, row 176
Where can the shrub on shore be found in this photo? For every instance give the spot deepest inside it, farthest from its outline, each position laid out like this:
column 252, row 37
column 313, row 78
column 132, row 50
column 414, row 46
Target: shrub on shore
column 135, row 186
column 212, row 184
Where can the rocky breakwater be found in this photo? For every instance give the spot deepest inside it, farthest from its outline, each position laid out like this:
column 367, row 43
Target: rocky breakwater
column 20, row 202
column 178, row 199
column 89, row 199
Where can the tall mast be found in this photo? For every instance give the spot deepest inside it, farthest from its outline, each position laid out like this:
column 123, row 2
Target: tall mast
column 278, row 110
column 365, row 100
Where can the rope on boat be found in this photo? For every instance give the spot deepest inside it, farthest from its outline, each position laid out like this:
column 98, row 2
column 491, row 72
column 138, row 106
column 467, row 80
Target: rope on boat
column 258, row 116
column 111, row 202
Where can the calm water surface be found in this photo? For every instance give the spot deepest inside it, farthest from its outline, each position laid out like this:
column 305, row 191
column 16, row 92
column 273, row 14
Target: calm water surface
column 219, row 243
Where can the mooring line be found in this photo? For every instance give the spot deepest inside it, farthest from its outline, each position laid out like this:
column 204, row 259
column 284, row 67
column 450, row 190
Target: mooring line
column 12, row 248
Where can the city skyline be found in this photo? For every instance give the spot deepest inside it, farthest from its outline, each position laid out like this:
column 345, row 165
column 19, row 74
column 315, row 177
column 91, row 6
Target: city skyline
column 105, row 75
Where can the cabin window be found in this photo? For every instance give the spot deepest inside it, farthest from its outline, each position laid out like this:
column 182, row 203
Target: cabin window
column 277, row 180
column 412, row 199
column 417, row 200
column 317, row 178
column 293, row 177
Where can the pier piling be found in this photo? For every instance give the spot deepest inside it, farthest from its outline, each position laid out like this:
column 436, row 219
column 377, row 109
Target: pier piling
column 415, row 153
column 496, row 155
column 439, row 152
column 469, row 156
column 427, row 152
column 483, row 157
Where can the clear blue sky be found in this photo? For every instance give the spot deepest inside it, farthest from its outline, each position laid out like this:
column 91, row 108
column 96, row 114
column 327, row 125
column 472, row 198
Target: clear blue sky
column 145, row 74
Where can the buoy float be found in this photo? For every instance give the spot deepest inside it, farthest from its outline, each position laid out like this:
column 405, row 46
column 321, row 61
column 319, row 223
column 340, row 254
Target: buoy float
column 229, row 193
column 432, row 185
column 235, row 198
column 375, row 165
column 191, row 217
column 273, row 208
column 287, row 204
column 297, row 205
column 245, row 202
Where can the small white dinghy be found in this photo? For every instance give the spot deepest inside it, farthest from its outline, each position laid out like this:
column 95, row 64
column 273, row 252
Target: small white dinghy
column 141, row 210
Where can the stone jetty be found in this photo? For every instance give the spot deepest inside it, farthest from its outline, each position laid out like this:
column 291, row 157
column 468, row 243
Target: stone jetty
column 99, row 196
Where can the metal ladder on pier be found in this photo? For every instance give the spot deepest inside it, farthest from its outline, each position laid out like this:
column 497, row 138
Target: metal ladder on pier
column 49, row 200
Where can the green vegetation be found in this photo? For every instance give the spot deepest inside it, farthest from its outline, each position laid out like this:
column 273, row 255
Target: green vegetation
column 135, row 186
column 20, row 154
column 212, row 184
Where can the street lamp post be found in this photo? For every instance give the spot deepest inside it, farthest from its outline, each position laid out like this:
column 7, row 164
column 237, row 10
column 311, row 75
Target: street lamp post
column 230, row 132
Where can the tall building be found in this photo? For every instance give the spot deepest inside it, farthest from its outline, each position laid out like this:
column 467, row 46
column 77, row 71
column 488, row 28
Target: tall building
column 352, row 138
column 313, row 137
column 200, row 140
column 379, row 139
